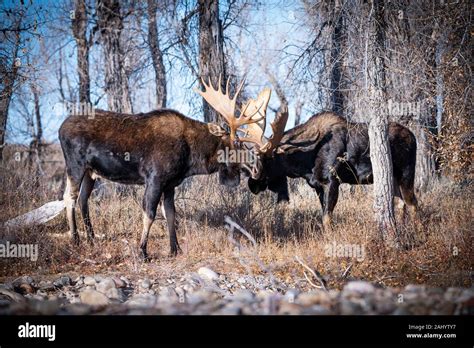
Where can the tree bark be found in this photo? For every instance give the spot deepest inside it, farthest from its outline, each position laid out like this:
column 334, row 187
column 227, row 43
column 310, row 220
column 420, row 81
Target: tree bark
column 439, row 52
column 337, row 97
column 211, row 50
column 36, row 146
column 380, row 154
column 298, row 111
column 79, row 29
column 110, row 24
column 9, row 78
column 156, row 56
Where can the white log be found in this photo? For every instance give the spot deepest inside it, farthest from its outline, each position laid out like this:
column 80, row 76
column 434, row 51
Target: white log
column 38, row 216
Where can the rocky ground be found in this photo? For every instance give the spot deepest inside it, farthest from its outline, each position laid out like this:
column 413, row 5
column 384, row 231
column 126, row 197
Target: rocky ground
column 206, row 292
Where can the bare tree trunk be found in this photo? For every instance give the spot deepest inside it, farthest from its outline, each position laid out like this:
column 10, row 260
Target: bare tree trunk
column 439, row 52
column 337, row 98
column 110, row 24
column 9, row 77
column 380, row 154
column 298, row 110
column 79, row 30
column 156, row 56
column 211, row 49
column 36, row 145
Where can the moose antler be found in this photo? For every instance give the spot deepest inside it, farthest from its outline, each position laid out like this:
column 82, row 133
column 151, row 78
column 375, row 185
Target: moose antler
column 278, row 128
column 255, row 132
column 225, row 106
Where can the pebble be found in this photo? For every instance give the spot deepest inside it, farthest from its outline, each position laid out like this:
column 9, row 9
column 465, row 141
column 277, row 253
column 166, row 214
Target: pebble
column 207, row 292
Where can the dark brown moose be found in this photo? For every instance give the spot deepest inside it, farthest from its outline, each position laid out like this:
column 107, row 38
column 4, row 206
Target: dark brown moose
column 327, row 151
column 158, row 149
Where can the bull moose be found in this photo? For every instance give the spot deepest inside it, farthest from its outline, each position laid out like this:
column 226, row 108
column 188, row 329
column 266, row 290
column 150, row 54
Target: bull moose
column 158, row 149
column 327, row 150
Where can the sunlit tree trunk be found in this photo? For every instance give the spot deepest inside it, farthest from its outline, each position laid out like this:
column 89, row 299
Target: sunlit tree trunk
column 110, row 24
column 380, row 154
column 156, row 56
column 79, row 30
column 9, row 75
column 337, row 97
column 211, row 49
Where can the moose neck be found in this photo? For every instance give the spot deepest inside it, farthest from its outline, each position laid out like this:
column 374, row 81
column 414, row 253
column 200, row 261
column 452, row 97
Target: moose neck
column 203, row 157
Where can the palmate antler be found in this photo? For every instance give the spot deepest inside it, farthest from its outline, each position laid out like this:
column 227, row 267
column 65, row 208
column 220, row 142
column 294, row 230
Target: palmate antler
column 252, row 115
column 225, row 106
column 255, row 132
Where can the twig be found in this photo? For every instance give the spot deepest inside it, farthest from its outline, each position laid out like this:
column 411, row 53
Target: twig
column 346, row 272
column 315, row 275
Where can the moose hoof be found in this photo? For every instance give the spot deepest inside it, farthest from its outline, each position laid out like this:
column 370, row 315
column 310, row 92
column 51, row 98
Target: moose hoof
column 175, row 251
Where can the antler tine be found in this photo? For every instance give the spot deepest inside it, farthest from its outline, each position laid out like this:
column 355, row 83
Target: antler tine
column 278, row 128
column 253, row 114
column 239, row 88
column 227, row 85
column 219, row 86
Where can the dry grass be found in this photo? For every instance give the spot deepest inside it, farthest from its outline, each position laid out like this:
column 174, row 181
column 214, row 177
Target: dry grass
column 282, row 233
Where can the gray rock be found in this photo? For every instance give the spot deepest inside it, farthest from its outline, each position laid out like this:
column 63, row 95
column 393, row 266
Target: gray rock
column 145, row 284
column 287, row 308
column 65, row 281
column 359, row 286
column 77, row 309
column 167, row 294
column 119, row 282
column 313, row 298
column 105, row 284
column 44, row 307
column 243, row 296
column 11, row 295
column 208, row 273
column 46, row 286
column 142, row 300
column 115, row 294
column 415, row 288
column 94, row 298
column 316, row 310
column 230, row 309
column 89, row 281
column 22, row 280
column 291, row 295
column 125, row 279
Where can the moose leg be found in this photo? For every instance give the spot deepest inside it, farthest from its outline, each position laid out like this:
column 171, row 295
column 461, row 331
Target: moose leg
column 331, row 194
column 86, row 189
column 168, row 204
column 408, row 195
column 70, row 197
column 150, row 203
column 320, row 192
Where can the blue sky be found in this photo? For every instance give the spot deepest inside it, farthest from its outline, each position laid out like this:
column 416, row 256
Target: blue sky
column 270, row 28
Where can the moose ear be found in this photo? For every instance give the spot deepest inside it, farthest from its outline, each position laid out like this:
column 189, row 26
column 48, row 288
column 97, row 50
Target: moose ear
column 216, row 130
